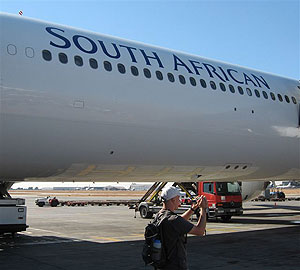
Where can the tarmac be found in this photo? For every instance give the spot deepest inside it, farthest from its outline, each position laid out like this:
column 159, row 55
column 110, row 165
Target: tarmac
column 267, row 236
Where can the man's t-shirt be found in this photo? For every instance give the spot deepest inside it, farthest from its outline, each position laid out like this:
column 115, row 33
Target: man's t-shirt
column 174, row 231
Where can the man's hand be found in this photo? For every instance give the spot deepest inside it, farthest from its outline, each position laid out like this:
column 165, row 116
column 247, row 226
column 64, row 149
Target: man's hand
column 201, row 202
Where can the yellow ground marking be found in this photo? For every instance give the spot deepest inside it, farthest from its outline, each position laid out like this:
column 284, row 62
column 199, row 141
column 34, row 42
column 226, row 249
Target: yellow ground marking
column 222, row 229
column 108, row 239
column 87, row 170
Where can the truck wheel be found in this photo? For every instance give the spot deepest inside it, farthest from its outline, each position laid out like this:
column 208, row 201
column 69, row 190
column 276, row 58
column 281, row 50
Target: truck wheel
column 40, row 204
column 145, row 213
column 225, row 218
column 54, row 202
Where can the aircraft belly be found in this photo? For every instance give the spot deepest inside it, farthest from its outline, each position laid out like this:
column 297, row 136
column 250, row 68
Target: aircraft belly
column 63, row 150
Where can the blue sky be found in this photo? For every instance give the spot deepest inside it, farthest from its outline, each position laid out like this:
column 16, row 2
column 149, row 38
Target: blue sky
column 261, row 34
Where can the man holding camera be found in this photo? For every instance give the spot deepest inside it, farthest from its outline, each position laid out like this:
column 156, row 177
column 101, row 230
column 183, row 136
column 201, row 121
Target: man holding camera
column 176, row 227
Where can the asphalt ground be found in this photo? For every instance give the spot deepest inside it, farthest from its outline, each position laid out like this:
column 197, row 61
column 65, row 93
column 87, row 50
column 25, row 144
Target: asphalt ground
column 267, row 236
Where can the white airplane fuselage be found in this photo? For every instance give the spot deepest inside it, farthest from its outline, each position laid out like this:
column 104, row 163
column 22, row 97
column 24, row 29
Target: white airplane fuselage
column 65, row 116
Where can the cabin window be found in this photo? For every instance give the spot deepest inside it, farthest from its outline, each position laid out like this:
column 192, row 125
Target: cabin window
column 47, row 55
column 249, row 92
column 193, row 81
column 12, row 49
column 63, row 58
column 213, row 85
column 257, row 93
column 29, row 52
column 147, row 73
column 203, row 83
column 159, row 75
column 280, row 98
column 241, row 91
column 121, row 68
column 107, row 66
column 181, row 79
column 134, row 71
column 222, row 86
column 265, row 94
column 287, row 99
column 231, row 88
column 171, row 77
column 294, row 100
column 78, row 60
column 272, row 95
column 93, row 63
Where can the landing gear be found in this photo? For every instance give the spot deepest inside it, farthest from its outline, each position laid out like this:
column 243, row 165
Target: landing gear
column 4, row 187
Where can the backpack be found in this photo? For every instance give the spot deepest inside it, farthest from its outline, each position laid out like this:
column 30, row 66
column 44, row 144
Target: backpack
column 152, row 255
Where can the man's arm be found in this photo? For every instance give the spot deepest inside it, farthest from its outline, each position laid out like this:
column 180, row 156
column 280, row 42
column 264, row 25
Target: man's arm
column 187, row 214
column 199, row 229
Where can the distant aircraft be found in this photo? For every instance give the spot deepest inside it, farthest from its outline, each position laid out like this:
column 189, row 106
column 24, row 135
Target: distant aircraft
column 81, row 106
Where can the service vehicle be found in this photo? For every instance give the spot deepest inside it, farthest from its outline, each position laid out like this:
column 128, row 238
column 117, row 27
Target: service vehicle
column 47, row 201
column 224, row 198
column 12, row 215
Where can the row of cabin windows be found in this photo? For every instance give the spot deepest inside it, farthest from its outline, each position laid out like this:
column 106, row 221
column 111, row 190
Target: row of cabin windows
column 63, row 58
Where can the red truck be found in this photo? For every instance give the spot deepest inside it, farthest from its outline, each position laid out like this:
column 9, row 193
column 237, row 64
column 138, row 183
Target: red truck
column 224, row 199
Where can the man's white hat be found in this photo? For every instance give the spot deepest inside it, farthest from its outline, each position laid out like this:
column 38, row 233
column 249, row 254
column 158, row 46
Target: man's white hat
column 169, row 193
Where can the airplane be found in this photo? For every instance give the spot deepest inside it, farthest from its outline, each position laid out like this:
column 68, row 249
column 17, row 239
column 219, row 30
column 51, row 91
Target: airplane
column 82, row 106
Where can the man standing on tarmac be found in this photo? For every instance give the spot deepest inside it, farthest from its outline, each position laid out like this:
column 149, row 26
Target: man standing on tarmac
column 176, row 227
